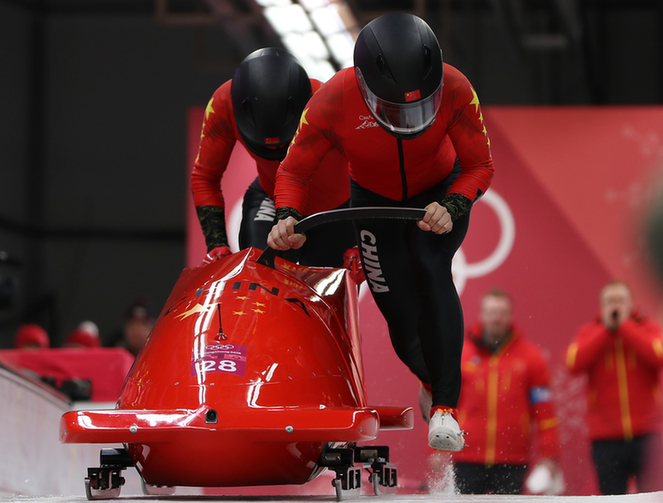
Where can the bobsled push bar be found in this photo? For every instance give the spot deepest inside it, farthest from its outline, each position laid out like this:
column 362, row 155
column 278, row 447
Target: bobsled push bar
column 326, row 217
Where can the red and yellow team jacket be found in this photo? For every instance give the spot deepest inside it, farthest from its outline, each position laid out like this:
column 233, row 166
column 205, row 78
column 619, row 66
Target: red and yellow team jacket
column 502, row 395
column 336, row 119
column 217, row 140
column 624, row 396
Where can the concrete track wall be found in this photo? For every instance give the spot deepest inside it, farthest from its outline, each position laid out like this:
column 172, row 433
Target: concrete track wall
column 32, row 460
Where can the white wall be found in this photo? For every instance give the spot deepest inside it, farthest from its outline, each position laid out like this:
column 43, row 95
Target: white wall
column 33, row 461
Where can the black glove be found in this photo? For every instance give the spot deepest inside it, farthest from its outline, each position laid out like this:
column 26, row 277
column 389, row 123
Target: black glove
column 213, row 223
column 286, row 211
column 457, row 205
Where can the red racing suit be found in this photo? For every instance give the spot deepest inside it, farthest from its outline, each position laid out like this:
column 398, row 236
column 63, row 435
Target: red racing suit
column 218, row 137
column 623, row 367
column 337, row 120
column 503, row 393
column 408, row 270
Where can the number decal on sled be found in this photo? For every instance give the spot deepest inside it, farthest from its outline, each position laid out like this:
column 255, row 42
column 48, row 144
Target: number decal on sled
column 226, row 358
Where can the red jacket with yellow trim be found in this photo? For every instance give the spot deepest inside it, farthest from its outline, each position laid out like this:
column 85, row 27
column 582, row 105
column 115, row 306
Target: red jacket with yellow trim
column 624, row 396
column 502, row 394
column 336, row 119
column 218, row 137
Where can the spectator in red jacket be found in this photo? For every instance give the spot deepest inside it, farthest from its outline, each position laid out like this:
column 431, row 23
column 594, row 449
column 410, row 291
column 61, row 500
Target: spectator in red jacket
column 85, row 335
column 31, row 336
column 506, row 388
column 260, row 107
column 621, row 352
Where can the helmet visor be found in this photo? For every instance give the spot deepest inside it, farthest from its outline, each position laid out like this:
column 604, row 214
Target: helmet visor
column 402, row 119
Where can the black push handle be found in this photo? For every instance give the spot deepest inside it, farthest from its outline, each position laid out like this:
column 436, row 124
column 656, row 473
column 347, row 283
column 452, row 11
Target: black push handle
column 325, row 217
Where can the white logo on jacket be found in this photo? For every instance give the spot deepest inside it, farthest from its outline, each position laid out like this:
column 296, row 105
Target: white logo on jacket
column 367, row 122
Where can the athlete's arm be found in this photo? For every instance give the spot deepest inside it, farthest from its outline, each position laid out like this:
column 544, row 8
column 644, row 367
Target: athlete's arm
column 460, row 108
column 314, row 139
column 468, row 135
column 643, row 336
column 588, row 347
column 216, row 144
column 316, row 136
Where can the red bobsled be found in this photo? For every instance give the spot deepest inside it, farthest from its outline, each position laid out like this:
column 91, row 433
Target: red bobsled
column 252, row 375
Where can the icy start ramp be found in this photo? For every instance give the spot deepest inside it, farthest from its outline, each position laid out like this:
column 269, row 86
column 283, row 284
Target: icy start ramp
column 656, row 497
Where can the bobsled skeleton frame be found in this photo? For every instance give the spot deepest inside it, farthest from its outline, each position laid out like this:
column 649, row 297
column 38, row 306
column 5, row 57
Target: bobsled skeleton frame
column 252, row 375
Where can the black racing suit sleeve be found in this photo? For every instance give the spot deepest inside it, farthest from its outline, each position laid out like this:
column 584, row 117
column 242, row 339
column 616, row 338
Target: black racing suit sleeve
column 213, row 224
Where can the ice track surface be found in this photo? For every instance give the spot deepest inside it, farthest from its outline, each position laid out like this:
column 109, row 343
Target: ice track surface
column 396, row 498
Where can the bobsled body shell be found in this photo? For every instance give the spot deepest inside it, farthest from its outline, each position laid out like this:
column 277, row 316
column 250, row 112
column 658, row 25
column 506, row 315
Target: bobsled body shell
column 273, row 353
column 245, row 335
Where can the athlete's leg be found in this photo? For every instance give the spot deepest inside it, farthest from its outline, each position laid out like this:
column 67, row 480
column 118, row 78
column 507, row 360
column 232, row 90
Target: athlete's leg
column 440, row 324
column 409, row 274
column 384, row 256
column 258, row 217
column 389, row 274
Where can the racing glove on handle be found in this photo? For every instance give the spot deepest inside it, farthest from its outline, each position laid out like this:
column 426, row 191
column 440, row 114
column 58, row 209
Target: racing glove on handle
column 216, row 253
column 213, row 224
column 457, row 205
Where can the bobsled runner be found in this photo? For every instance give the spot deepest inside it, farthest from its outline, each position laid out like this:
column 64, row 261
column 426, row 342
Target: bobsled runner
column 252, row 375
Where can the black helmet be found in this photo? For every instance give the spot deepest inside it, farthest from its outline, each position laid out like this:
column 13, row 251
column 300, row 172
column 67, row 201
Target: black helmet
column 269, row 91
column 398, row 66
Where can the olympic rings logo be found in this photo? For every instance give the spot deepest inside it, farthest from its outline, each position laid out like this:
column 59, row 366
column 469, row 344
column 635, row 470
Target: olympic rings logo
column 462, row 270
column 220, row 347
